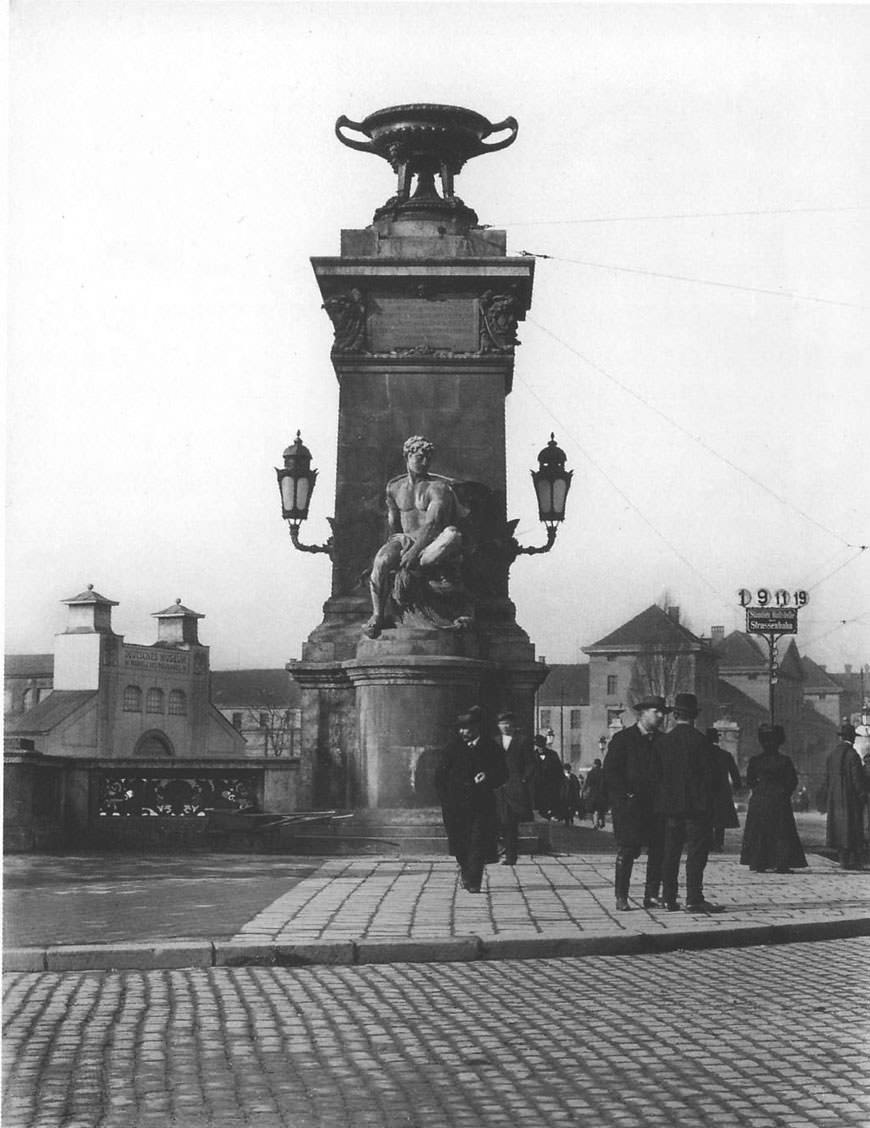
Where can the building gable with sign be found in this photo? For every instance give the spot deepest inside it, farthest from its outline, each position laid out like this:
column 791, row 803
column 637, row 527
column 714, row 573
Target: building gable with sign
column 115, row 700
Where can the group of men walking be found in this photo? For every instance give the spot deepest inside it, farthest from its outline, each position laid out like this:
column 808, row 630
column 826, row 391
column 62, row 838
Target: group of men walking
column 669, row 793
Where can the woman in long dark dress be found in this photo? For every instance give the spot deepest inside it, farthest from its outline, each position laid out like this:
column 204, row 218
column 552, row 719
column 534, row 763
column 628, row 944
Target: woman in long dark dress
column 770, row 838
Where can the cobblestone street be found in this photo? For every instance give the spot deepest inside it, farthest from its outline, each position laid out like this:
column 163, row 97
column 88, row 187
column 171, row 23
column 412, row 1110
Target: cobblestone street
column 763, row 1036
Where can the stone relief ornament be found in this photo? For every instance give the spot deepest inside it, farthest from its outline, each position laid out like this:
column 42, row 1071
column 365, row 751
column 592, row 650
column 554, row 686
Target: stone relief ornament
column 347, row 313
column 499, row 314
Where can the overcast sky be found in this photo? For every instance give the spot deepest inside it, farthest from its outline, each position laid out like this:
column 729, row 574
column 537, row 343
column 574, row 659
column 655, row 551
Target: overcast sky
column 697, row 339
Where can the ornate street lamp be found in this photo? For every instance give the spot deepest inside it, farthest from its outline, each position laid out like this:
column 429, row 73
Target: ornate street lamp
column 296, row 485
column 552, row 482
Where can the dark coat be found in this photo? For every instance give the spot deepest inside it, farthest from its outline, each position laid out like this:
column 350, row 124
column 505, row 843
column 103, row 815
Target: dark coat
column 465, row 803
column 594, row 790
column 725, row 774
column 516, row 794
column 547, row 783
column 845, row 786
column 628, row 782
column 770, row 837
column 684, row 773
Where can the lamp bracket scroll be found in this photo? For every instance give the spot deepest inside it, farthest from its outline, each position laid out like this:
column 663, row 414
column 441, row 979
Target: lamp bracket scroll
column 296, row 484
column 552, row 482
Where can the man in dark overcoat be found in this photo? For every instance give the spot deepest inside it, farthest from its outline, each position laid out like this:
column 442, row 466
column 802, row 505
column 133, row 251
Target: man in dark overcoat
column 845, row 796
column 472, row 768
column 727, row 776
column 628, row 784
column 514, row 798
column 685, row 783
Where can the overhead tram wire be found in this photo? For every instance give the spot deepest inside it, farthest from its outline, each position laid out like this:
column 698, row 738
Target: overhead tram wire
column 564, row 427
column 678, row 215
column 840, row 624
column 861, row 549
column 697, row 281
column 696, row 438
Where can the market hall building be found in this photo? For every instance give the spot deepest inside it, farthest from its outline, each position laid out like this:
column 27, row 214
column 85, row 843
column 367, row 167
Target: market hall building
column 127, row 735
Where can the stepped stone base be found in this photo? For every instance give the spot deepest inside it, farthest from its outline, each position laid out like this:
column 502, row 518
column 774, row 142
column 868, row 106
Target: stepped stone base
column 402, row 832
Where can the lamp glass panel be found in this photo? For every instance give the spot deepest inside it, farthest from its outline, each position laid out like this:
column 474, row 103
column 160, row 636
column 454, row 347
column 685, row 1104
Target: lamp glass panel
column 544, row 490
column 288, row 497
column 560, row 492
column 303, row 492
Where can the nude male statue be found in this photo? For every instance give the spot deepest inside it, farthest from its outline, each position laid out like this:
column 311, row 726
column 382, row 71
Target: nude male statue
column 422, row 511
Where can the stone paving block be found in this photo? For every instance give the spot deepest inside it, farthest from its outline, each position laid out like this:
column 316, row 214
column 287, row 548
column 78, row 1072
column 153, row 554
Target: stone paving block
column 303, row 953
column 449, row 949
column 244, row 953
column 24, row 959
column 142, row 956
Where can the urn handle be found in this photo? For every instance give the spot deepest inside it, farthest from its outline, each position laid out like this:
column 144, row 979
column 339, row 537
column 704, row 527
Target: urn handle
column 362, row 146
column 508, row 123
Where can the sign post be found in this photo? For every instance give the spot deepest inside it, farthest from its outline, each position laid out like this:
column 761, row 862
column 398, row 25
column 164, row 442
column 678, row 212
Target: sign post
column 773, row 617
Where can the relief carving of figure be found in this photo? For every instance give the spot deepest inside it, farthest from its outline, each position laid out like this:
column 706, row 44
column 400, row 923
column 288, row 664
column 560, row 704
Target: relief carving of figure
column 348, row 315
column 423, row 513
column 499, row 314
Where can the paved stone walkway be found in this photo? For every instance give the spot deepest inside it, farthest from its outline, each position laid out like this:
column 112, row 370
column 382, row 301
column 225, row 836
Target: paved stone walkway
column 762, row 1037
column 374, row 910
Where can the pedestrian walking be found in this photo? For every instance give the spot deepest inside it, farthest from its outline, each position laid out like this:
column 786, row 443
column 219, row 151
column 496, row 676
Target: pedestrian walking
column 595, row 794
column 770, row 837
column 845, row 800
column 572, row 803
column 471, row 769
column 514, row 798
column 685, row 781
column 628, row 782
column 866, row 817
column 727, row 776
column 547, row 780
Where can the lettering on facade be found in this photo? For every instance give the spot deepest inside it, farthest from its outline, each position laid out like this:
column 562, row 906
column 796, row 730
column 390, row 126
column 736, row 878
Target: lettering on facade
column 148, row 658
column 408, row 323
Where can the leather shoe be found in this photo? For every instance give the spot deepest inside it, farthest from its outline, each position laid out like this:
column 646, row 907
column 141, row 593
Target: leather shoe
column 671, row 906
column 704, row 907
column 622, row 905
column 508, row 861
column 651, row 903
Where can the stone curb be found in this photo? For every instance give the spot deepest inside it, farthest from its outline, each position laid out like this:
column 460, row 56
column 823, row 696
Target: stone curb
column 154, row 954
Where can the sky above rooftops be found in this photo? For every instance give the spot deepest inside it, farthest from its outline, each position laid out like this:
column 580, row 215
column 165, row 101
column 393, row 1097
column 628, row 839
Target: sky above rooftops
column 697, row 338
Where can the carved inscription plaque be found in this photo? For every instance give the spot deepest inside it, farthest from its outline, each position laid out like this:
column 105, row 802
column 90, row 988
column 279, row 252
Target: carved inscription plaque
column 416, row 323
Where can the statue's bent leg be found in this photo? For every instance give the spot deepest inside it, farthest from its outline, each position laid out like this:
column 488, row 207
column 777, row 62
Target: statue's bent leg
column 385, row 562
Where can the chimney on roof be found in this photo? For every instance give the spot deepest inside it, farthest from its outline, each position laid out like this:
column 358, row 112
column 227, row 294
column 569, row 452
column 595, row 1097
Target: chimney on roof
column 176, row 626
column 821, row 667
column 717, row 635
column 674, row 614
column 848, row 668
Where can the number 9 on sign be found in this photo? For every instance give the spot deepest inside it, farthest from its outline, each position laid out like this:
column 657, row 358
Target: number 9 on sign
column 762, row 597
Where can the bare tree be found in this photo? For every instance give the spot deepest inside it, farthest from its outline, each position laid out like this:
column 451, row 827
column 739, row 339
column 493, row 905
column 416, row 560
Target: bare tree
column 661, row 672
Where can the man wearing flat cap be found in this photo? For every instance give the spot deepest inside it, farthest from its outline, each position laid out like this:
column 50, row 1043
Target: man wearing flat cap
column 514, row 799
column 845, row 786
column 628, row 783
column 472, row 768
column 685, row 785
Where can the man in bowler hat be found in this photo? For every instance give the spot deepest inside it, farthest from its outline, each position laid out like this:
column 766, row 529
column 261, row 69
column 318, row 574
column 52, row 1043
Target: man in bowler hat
column 628, row 782
column 472, row 768
column 685, row 785
column 514, row 798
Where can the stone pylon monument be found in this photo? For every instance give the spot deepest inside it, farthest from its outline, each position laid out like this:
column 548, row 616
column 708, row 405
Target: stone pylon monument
column 419, row 625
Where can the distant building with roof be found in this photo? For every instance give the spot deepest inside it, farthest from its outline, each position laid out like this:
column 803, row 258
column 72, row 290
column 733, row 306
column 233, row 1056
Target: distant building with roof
column 128, row 730
column 264, row 706
column 653, row 653
column 562, row 707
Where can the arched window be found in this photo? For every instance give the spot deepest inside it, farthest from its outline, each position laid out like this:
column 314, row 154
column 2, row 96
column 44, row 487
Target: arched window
column 132, row 699
column 154, row 701
column 177, row 703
